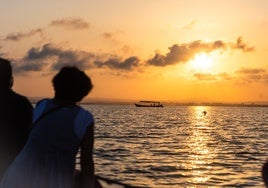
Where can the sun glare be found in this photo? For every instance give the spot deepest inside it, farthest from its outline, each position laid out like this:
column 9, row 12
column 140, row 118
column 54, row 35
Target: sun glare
column 202, row 62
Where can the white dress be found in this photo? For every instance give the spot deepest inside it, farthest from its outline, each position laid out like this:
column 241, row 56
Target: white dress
column 48, row 158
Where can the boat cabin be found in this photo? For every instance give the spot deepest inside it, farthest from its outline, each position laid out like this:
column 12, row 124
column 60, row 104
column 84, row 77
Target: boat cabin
column 149, row 104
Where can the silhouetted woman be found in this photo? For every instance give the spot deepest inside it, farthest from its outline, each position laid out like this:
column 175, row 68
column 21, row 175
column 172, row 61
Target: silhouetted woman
column 61, row 127
column 265, row 173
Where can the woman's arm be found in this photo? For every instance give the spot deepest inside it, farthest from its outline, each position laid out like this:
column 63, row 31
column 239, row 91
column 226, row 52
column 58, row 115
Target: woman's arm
column 86, row 161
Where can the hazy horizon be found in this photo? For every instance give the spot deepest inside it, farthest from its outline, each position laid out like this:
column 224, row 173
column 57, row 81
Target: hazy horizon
column 182, row 102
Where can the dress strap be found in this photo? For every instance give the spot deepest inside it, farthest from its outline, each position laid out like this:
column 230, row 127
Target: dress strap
column 46, row 113
column 41, row 113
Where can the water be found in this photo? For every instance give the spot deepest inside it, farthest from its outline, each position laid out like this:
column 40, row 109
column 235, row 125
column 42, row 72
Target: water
column 179, row 146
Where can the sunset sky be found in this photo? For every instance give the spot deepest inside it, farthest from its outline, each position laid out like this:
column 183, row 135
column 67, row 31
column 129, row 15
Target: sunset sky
column 168, row 50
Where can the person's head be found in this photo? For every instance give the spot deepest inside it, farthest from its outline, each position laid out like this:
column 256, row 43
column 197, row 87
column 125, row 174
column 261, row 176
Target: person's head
column 6, row 79
column 71, row 84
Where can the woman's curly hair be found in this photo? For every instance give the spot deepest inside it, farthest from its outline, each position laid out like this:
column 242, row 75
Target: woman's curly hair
column 71, row 84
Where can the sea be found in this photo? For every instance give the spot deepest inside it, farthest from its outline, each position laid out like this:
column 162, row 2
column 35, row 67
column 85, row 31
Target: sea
column 180, row 146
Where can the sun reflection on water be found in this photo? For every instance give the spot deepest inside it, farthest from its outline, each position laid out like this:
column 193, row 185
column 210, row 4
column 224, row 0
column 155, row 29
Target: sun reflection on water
column 201, row 155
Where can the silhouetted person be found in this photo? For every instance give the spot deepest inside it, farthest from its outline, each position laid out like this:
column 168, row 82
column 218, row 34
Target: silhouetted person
column 61, row 127
column 265, row 173
column 15, row 118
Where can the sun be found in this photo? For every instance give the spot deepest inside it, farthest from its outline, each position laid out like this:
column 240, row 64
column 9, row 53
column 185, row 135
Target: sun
column 202, row 62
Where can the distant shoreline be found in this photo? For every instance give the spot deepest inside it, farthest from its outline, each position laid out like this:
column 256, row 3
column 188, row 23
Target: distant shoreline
column 166, row 103
column 180, row 104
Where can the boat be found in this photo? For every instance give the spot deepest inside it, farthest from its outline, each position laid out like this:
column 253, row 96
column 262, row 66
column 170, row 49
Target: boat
column 149, row 104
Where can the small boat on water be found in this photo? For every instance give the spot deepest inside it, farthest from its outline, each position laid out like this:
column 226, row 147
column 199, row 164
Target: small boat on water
column 149, row 104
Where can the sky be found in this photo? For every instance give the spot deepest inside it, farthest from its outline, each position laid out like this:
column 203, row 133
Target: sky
column 167, row 50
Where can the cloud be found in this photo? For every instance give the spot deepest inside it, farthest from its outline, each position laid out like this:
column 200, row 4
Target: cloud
column 71, row 23
column 240, row 44
column 265, row 77
column 251, row 71
column 242, row 76
column 185, row 52
column 250, row 75
column 51, row 57
column 113, row 38
column 190, row 25
column 20, row 35
column 108, row 35
column 115, row 63
column 225, row 76
column 54, row 57
column 211, row 77
column 20, row 66
column 205, row 76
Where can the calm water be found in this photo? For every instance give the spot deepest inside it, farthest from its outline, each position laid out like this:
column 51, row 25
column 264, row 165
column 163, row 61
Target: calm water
column 178, row 146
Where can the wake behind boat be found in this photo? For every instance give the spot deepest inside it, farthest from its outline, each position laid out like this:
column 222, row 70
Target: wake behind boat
column 149, row 104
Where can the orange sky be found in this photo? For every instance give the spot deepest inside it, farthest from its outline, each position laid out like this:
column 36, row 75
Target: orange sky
column 184, row 51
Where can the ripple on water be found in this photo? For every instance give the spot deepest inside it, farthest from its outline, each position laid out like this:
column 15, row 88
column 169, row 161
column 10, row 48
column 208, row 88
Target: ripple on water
column 178, row 146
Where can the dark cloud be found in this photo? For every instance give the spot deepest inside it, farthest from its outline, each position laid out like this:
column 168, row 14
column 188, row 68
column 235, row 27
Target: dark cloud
column 54, row 57
column 185, row 52
column 73, row 23
column 205, row 76
column 20, row 35
column 45, row 51
column 20, row 66
column 80, row 59
column 115, row 63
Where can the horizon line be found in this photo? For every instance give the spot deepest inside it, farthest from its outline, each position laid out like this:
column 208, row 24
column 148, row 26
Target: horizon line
column 165, row 102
